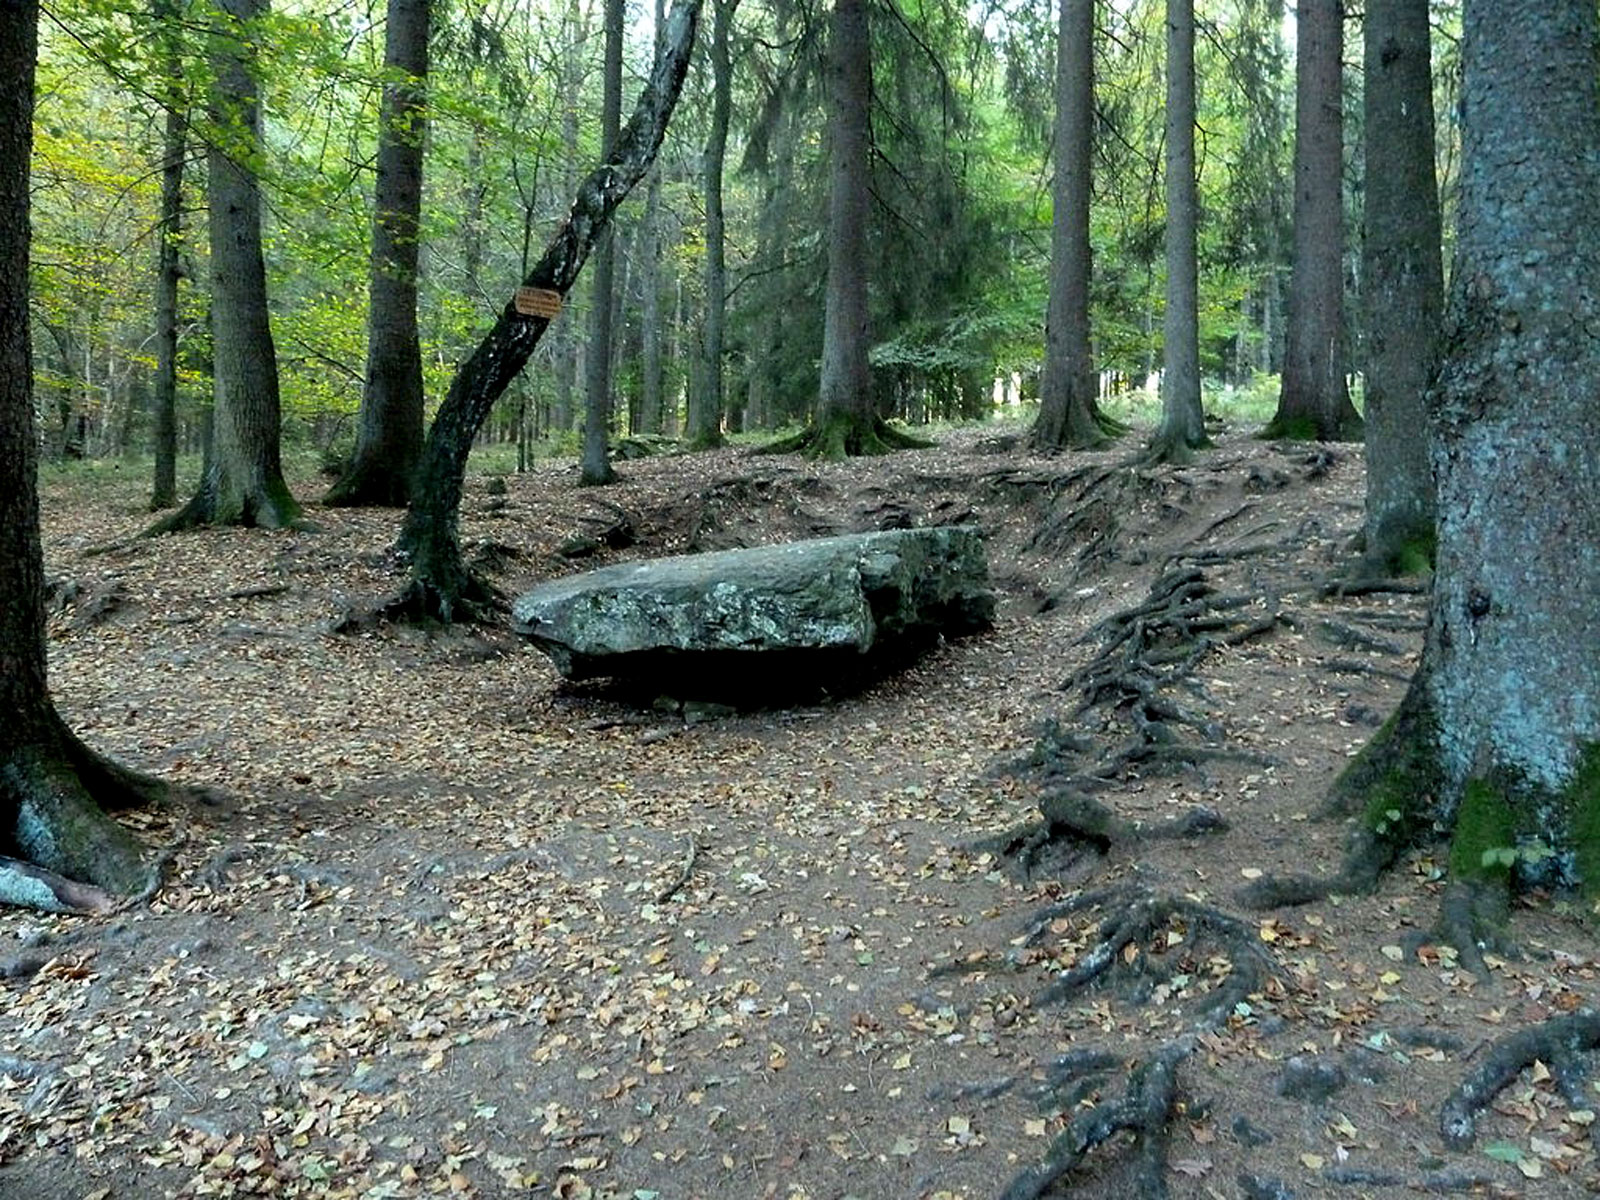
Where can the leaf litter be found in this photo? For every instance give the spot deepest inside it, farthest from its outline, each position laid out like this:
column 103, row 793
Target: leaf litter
column 459, row 929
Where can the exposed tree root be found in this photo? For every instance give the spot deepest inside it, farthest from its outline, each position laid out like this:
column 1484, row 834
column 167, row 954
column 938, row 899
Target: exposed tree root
column 1562, row 1043
column 1145, row 942
column 845, row 435
column 1143, row 1109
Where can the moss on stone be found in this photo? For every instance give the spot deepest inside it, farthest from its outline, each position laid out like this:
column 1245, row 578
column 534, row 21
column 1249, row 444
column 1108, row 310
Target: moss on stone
column 1483, row 846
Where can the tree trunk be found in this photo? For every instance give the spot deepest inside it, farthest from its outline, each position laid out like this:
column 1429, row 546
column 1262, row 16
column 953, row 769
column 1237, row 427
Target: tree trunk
column 243, row 483
column 441, row 586
column 847, row 422
column 595, row 468
column 389, row 443
column 1404, row 283
column 1314, row 403
column 169, row 271
column 705, row 424
column 1183, row 426
column 1498, row 738
column 51, row 786
column 1067, row 392
column 650, row 385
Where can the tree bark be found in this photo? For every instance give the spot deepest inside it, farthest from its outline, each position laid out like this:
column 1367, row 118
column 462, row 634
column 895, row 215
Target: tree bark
column 1404, row 281
column 441, row 586
column 595, row 468
column 1183, row 427
column 650, row 387
column 1315, row 403
column 1498, row 739
column 705, row 424
column 243, row 482
column 169, row 272
column 389, row 443
column 1067, row 391
column 846, row 421
column 51, row 786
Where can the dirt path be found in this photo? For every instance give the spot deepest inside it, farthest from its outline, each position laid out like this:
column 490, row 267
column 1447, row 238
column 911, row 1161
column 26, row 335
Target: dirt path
column 463, row 930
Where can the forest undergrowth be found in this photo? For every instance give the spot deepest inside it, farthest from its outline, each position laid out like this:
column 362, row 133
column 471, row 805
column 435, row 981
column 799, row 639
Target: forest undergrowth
column 456, row 927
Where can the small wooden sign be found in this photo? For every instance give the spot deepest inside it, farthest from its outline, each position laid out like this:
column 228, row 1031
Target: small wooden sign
column 537, row 302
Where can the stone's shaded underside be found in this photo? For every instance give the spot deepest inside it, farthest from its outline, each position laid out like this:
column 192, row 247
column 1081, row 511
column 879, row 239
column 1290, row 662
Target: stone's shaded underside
column 767, row 618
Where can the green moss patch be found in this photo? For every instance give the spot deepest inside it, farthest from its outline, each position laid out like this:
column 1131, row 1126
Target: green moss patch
column 1483, row 846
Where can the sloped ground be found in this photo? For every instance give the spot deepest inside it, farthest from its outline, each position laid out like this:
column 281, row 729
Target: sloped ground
column 457, row 928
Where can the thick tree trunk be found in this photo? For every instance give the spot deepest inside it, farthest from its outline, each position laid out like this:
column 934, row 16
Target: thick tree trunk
column 1499, row 736
column 1315, row 403
column 1067, row 392
column 389, row 443
column 51, row 786
column 440, row 582
column 1404, row 281
column 243, row 483
column 1183, row 426
column 595, row 468
column 705, row 418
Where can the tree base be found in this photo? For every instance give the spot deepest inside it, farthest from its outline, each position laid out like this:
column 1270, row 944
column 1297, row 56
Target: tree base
column 270, row 506
column 845, row 435
column 73, row 857
column 369, row 485
column 1310, row 429
column 463, row 599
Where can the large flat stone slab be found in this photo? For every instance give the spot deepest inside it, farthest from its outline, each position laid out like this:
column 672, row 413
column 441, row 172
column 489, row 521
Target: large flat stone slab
column 780, row 615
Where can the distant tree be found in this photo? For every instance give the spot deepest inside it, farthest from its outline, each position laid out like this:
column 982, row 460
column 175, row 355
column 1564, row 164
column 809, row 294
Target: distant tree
column 1315, row 403
column 1068, row 411
column 705, row 416
column 846, row 421
column 1403, row 279
column 595, row 468
column 1183, row 425
column 242, row 483
column 169, row 270
column 651, row 382
column 1498, row 738
column 60, row 850
column 389, row 443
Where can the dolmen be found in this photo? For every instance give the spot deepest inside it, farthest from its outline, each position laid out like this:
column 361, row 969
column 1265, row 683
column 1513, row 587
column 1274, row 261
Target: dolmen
column 823, row 615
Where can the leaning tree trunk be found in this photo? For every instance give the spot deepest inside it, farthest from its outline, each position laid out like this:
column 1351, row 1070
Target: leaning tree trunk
column 389, row 443
column 1404, row 284
column 1067, row 391
column 441, row 586
column 243, row 482
column 1498, row 738
column 1315, row 403
column 67, row 853
column 595, row 468
column 1183, row 426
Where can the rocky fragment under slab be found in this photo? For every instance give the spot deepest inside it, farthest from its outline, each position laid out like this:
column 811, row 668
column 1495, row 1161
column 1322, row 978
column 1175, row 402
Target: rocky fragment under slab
column 816, row 614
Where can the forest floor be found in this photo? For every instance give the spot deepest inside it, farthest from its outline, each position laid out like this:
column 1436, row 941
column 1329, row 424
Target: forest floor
column 455, row 927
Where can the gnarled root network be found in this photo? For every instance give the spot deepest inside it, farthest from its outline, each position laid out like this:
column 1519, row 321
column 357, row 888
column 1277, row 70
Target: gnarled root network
column 1144, row 941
